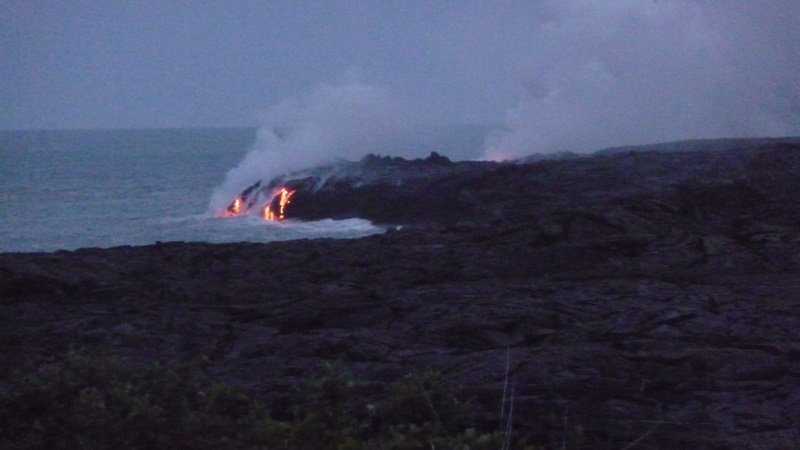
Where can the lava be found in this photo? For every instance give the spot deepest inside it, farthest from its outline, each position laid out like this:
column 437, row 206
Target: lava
column 276, row 209
column 235, row 208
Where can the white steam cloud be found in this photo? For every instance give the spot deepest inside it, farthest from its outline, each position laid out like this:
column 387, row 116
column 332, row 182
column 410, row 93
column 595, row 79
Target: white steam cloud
column 335, row 121
column 623, row 72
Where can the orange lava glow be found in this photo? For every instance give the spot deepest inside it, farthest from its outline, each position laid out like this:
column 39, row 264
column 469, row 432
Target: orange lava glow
column 235, row 208
column 284, row 197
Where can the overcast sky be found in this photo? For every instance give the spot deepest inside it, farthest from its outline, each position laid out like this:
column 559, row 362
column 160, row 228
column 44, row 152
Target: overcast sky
column 659, row 69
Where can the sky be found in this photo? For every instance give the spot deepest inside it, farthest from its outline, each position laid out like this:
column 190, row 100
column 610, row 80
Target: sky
column 553, row 75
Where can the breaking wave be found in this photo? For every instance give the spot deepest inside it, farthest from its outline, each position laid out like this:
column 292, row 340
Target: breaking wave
column 210, row 228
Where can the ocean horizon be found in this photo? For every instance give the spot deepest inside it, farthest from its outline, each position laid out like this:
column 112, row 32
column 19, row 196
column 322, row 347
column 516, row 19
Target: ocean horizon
column 69, row 189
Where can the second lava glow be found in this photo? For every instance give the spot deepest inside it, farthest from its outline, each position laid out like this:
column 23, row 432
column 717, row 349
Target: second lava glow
column 283, row 197
column 273, row 210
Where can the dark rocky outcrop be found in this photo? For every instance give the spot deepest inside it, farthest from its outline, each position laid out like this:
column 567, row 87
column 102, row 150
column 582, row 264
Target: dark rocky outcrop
column 644, row 297
column 396, row 191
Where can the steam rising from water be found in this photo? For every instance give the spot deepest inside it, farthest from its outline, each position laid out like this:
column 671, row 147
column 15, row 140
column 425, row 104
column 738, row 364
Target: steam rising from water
column 592, row 74
column 335, row 121
column 610, row 73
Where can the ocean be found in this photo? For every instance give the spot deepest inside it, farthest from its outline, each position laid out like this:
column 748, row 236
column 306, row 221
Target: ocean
column 69, row 189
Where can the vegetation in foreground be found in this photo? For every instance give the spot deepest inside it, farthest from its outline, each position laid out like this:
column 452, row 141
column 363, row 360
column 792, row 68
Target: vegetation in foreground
column 94, row 401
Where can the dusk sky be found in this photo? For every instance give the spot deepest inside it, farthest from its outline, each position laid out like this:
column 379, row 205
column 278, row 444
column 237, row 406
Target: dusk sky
column 554, row 74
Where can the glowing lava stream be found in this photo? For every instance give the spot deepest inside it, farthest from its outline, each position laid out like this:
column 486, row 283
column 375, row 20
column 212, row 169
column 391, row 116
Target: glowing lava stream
column 273, row 210
column 283, row 198
column 234, row 209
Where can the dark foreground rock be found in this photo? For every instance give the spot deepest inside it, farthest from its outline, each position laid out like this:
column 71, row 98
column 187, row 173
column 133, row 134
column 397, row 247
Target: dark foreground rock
column 644, row 298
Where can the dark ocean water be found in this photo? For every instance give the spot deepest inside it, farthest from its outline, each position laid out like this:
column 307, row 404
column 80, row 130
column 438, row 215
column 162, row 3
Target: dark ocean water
column 104, row 188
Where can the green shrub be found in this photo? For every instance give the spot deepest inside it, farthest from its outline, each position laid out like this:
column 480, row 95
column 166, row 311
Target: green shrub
column 94, row 401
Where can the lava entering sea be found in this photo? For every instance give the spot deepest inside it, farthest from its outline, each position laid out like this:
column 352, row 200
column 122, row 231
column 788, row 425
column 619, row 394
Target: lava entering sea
column 276, row 210
column 273, row 209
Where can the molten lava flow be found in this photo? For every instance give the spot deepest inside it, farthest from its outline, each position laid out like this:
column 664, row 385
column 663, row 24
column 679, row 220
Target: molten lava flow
column 276, row 209
column 235, row 208
column 286, row 197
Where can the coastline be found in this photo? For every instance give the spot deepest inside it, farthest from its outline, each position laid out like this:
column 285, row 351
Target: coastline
column 632, row 311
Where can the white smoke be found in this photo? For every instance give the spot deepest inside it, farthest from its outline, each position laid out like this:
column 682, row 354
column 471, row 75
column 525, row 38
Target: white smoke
column 335, row 121
column 623, row 72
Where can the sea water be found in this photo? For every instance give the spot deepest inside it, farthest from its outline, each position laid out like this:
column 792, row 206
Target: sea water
column 103, row 188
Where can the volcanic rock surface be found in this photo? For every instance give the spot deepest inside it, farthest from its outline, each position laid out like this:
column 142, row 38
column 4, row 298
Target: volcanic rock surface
column 649, row 298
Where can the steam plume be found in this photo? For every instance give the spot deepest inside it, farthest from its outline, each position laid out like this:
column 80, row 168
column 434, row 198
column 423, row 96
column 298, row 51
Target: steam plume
column 335, row 121
column 623, row 72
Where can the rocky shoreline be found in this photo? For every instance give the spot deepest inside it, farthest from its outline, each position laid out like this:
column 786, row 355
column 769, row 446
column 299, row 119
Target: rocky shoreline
column 648, row 298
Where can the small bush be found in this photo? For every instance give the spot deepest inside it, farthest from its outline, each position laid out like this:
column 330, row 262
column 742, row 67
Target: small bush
column 94, row 401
